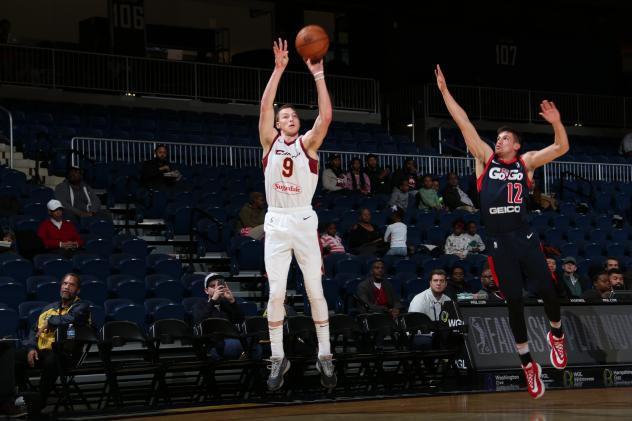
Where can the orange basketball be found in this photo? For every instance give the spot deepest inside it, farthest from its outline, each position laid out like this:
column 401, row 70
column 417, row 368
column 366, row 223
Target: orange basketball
column 312, row 42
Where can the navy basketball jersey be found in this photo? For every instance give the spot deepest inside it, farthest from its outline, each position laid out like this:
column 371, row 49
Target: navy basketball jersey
column 504, row 192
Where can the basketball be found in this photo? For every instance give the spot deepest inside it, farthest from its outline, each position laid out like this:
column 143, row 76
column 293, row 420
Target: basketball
column 312, row 42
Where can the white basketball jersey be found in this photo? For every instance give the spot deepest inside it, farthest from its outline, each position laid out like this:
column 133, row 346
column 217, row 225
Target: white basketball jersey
column 290, row 174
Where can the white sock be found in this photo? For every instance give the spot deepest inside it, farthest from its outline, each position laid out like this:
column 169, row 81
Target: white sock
column 276, row 341
column 322, row 333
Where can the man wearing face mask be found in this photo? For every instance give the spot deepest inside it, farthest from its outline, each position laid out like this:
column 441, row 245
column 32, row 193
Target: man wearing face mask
column 376, row 294
column 490, row 291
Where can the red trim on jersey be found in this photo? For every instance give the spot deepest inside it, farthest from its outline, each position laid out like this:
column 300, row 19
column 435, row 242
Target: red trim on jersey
column 479, row 180
column 264, row 161
column 526, row 171
column 511, row 161
column 313, row 163
column 492, row 269
column 292, row 142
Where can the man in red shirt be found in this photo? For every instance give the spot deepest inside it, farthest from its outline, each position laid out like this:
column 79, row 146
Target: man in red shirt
column 56, row 234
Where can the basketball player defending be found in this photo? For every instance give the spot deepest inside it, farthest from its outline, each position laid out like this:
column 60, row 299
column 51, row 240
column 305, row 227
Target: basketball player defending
column 515, row 255
column 290, row 165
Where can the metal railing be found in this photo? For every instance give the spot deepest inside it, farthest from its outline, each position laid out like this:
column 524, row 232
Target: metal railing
column 136, row 151
column 523, row 106
column 92, row 72
column 10, row 135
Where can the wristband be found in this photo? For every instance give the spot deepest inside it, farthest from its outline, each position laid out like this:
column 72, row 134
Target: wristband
column 319, row 78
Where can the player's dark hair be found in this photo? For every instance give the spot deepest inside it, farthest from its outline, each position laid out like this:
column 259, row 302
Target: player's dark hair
column 512, row 131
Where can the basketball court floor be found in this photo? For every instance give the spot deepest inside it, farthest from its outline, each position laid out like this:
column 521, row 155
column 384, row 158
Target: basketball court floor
column 555, row 405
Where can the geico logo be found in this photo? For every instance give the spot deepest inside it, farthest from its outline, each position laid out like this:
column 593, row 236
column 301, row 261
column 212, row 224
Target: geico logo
column 504, row 209
column 504, row 174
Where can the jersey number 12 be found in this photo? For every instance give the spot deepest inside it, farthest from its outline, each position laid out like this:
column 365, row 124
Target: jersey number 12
column 517, row 197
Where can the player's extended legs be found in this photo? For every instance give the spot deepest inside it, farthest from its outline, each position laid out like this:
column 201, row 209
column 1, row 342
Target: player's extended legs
column 308, row 256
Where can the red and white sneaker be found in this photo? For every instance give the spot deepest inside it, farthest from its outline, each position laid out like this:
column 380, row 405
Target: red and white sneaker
column 532, row 373
column 558, row 351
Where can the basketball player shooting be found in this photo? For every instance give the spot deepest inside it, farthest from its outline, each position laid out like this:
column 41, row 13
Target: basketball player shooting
column 290, row 163
column 515, row 255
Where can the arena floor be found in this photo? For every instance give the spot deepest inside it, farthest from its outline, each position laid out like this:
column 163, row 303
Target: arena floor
column 555, row 405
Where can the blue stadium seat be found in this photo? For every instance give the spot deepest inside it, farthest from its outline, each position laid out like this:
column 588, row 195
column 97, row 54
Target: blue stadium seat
column 615, row 249
column 47, row 291
column 135, row 246
column 250, row 256
column 26, row 223
column 55, row 267
column 414, row 287
column 405, row 266
column 126, row 286
column 189, row 302
column 413, row 236
column 103, row 247
column 593, row 251
column 8, row 322
column 97, row 315
column 576, row 235
column 194, row 284
column 128, row 264
column 349, row 265
column 92, row 265
column 436, row 235
column 249, row 308
column 569, row 249
column 12, row 293
column 163, row 263
column 164, row 286
column 129, row 312
column 331, row 290
column 620, row 235
column 597, row 235
column 98, row 227
column 94, row 291
column 152, row 303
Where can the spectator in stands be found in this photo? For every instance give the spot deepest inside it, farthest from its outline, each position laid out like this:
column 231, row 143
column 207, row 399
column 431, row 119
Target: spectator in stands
column 7, row 243
column 364, row 237
column 430, row 302
column 573, row 283
column 78, row 199
column 57, row 235
column 37, row 351
column 409, row 172
column 611, row 263
column 356, row 179
column 556, row 277
column 601, row 288
column 331, row 241
column 616, row 279
column 376, row 294
column 625, row 148
column 457, row 243
column 436, row 186
column 454, row 197
column 456, row 283
column 251, row 216
column 396, row 234
column 428, row 196
column 379, row 177
column 399, row 196
column 221, row 303
column 158, row 173
column 333, row 176
column 489, row 291
column 475, row 242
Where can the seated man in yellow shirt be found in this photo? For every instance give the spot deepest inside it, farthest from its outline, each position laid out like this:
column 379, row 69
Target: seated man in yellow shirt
column 37, row 351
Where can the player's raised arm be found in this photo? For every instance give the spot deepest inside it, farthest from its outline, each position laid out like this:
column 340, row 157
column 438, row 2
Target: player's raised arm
column 477, row 147
column 535, row 159
column 314, row 137
column 267, row 132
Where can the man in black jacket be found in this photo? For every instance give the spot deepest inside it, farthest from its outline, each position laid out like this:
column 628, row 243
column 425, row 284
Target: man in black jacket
column 157, row 173
column 454, row 197
column 376, row 294
column 221, row 303
column 37, row 351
